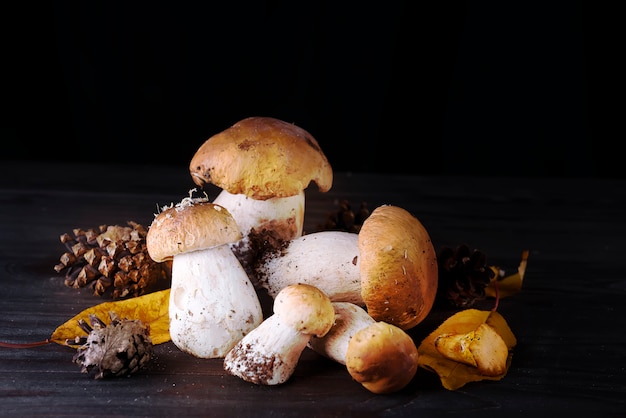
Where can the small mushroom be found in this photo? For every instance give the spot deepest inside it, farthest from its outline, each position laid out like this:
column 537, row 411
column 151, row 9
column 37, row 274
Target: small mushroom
column 263, row 165
column 269, row 354
column 389, row 267
column 212, row 301
column 380, row 356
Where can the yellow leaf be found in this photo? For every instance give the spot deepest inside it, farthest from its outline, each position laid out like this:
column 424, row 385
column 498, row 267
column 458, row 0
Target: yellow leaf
column 151, row 309
column 454, row 374
column 509, row 285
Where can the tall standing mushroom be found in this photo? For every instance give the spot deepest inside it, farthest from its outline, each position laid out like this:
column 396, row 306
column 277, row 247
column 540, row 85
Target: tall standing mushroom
column 212, row 301
column 390, row 266
column 263, row 165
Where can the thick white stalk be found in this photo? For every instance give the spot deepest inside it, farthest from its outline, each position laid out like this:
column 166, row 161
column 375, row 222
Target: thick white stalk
column 268, row 355
column 349, row 319
column 285, row 215
column 212, row 302
column 328, row 260
column 262, row 222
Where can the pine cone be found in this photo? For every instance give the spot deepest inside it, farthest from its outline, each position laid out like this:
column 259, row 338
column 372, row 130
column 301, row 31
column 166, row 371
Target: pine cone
column 345, row 218
column 112, row 258
column 463, row 276
column 119, row 349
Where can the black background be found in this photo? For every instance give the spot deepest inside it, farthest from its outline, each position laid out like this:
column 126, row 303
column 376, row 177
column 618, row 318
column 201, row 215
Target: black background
column 477, row 88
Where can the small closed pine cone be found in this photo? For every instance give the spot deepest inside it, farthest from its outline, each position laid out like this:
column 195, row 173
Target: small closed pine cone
column 463, row 276
column 119, row 349
column 112, row 258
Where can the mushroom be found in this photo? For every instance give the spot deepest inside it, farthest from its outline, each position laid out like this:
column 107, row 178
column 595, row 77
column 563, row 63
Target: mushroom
column 263, row 165
column 212, row 302
column 389, row 267
column 381, row 357
column 269, row 354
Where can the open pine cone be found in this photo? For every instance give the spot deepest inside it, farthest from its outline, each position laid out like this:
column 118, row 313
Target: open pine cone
column 112, row 258
column 119, row 349
column 463, row 276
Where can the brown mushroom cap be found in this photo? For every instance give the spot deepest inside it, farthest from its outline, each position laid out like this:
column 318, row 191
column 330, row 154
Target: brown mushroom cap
column 190, row 226
column 262, row 158
column 398, row 267
column 305, row 308
column 382, row 357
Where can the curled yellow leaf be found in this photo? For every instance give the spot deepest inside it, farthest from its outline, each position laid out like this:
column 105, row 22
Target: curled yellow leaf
column 505, row 286
column 151, row 309
column 459, row 329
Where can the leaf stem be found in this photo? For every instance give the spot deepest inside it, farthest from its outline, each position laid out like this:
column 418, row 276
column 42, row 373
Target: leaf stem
column 495, row 286
column 25, row 345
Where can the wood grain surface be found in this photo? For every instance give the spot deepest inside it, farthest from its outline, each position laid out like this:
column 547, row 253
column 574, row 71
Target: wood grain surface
column 569, row 319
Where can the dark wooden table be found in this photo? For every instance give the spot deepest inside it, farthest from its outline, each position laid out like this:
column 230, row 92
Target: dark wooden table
column 569, row 319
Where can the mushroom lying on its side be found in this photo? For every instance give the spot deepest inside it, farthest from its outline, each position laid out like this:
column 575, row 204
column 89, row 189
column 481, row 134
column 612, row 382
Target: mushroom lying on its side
column 390, row 266
column 212, row 301
column 380, row 356
column 269, row 354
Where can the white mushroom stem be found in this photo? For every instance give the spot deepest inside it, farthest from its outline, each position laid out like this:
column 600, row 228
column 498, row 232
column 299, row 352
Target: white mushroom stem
column 280, row 217
column 213, row 304
column 269, row 354
column 282, row 214
column 328, row 260
column 349, row 319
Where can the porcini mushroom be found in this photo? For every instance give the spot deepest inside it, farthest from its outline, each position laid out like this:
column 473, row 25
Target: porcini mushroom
column 389, row 267
column 269, row 354
column 380, row 356
column 212, row 301
column 263, row 165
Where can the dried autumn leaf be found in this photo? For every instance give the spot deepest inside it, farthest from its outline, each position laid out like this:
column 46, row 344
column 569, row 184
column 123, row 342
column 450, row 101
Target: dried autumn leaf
column 509, row 285
column 151, row 309
column 455, row 374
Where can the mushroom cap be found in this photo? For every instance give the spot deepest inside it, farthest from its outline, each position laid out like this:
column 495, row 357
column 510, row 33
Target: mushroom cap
column 305, row 308
column 189, row 226
column 382, row 357
column 398, row 267
column 262, row 158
